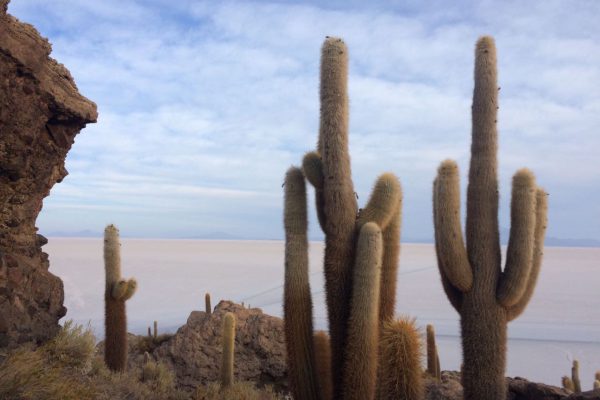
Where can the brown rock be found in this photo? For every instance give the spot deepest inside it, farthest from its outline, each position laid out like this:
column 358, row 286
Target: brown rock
column 522, row 389
column 41, row 111
column 194, row 352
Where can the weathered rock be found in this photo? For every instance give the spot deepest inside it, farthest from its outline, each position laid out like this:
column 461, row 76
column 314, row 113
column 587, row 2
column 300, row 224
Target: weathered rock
column 522, row 389
column 41, row 111
column 518, row 389
column 194, row 352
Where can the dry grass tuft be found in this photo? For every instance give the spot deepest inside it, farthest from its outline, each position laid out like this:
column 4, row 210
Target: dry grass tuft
column 237, row 391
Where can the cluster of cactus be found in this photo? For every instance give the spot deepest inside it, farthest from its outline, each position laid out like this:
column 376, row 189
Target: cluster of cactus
column 361, row 261
column 573, row 383
column 485, row 296
column 116, row 293
column 433, row 358
column 153, row 334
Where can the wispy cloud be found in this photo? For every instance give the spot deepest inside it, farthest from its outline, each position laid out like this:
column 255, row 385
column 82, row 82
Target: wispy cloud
column 203, row 105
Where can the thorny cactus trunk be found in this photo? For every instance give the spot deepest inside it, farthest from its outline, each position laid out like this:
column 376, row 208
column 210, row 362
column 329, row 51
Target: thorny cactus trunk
column 486, row 297
column 116, row 293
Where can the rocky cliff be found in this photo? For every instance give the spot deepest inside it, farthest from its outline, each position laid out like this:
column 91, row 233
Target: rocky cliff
column 41, row 111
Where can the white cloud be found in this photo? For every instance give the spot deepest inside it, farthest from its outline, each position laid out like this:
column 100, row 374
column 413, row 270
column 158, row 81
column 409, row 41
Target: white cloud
column 203, row 106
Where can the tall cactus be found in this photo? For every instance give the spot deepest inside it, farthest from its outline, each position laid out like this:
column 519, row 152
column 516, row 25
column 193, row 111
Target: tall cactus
column 328, row 170
column 116, row 292
column 575, row 377
column 323, row 364
column 486, row 297
column 297, row 305
column 227, row 363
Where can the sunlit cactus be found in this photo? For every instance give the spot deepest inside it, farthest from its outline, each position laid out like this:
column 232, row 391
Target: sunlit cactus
column 227, row 364
column 486, row 297
column 361, row 248
column 567, row 383
column 117, row 292
column 400, row 376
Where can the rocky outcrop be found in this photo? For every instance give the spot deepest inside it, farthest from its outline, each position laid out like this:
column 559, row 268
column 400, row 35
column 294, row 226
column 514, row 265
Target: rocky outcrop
column 41, row 111
column 518, row 389
column 194, row 352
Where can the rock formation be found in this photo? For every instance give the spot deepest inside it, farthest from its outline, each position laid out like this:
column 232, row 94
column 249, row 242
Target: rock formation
column 194, row 352
column 41, row 111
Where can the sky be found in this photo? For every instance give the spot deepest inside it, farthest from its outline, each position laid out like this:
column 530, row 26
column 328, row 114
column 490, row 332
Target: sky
column 204, row 105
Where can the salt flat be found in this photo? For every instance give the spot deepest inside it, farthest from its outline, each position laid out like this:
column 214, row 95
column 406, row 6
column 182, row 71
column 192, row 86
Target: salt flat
column 562, row 321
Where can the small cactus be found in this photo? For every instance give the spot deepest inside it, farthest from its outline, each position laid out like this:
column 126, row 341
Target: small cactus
column 433, row 360
column 575, row 377
column 117, row 292
column 149, row 332
column 228, row 348
column 596, row 384
column 155, row 334
column 400, row 374
column 207, row 306
column 567, row 383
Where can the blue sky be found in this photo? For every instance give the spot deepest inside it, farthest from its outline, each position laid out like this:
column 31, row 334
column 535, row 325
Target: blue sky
column 204, row 105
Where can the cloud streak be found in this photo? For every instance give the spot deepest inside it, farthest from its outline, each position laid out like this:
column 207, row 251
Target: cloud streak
column 203, row 106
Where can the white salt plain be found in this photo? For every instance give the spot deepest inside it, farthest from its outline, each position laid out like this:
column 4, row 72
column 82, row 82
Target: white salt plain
column 562, row 321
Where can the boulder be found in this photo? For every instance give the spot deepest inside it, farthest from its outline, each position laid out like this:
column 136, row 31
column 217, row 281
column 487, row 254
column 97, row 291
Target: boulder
column 195, row 351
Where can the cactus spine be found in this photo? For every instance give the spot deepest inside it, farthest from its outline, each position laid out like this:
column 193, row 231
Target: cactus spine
column 400, row 363
column 207, row 305
column 575, row 377
column 433, row 360
column 228, row 349
column 297, row 305
column 486, row 297
column 116, row 292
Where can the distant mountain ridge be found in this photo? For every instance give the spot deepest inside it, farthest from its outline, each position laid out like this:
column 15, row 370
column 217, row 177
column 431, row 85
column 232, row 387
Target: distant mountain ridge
column 218, row 235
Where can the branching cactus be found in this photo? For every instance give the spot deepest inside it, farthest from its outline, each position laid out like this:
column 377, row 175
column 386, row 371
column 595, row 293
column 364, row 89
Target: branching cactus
column 227, row 364
column 485, row 296
column 361, row 246
column 116, row 293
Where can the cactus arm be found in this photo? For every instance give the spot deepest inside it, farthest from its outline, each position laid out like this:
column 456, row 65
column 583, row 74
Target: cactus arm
column 131, row 288
column 312, row 166
column 383, row 202
column 482, row 233
column 389, row 265
column 541, row 221
column 454, row 295
column 453, row 259
column 360, row 365
column 519, row 254
column 118, row 289
column 297, row 297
